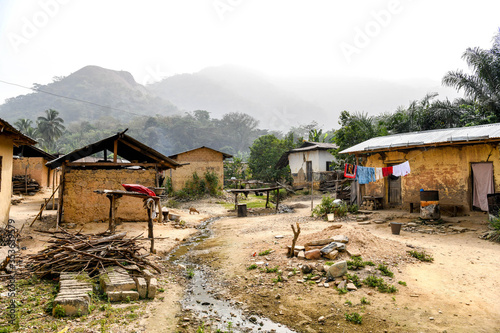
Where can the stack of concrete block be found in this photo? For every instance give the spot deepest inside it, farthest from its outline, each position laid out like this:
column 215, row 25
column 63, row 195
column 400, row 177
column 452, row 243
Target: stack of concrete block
column 73, row 296
column 118, row 285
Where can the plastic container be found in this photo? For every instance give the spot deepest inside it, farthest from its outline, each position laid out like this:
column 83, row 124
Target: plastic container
column 396, row 228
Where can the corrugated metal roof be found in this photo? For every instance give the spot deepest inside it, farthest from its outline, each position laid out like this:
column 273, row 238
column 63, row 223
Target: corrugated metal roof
column 441, row 136
column 307, row 145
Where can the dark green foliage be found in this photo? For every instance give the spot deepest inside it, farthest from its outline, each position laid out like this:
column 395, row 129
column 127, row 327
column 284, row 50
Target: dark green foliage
column 380, row 284
column 197, row 187
column 327, row 206
column 356, row 263
column 354, row 317
column 354, row 278
column 422, row 256
column 265, row 153
column 385, row 271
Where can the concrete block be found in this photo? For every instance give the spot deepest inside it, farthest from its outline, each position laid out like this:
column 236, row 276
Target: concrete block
column 152, row 286
column 122, row 296
column 71, row 305
column 141, row 286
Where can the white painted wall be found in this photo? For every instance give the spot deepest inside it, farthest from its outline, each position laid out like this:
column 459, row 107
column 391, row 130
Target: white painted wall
column 317, row 157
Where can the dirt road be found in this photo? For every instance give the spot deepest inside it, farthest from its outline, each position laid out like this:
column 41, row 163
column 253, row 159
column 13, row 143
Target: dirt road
column 458, row 292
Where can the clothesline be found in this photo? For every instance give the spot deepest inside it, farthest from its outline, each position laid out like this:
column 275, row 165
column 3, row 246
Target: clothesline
column 365, row 175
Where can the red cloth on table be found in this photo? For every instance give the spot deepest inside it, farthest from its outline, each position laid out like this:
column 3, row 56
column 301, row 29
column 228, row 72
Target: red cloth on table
column 139, row 188
column 387, row 171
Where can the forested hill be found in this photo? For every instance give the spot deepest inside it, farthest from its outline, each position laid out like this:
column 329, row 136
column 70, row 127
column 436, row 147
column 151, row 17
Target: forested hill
column 225, row 89
column 115, row 89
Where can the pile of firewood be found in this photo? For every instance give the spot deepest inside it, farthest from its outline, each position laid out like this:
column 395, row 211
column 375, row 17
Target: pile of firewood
column 84, row 252
column 24, row 184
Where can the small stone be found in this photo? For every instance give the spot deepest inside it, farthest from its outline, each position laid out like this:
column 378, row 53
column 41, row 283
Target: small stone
column 306, row 269
column 351, row 286
column 312, row 254
column 341, row 285
column 332, row 255
column 321, row 319
column 326, row 285
column 364, row 223
column 337, row 269
column 301, row 255
column 431, row 318
column 279, row 236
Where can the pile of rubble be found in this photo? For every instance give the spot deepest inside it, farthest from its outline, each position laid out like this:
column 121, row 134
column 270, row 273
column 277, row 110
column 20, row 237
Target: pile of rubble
column 328, row 248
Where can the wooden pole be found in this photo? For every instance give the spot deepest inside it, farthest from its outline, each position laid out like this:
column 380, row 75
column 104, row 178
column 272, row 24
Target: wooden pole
column 312, row 194
column 43, row 207
column 115, row 151
column 295, row 237
column 277, row 198
column 267, row 198
column 26, row 180
column 61, row 195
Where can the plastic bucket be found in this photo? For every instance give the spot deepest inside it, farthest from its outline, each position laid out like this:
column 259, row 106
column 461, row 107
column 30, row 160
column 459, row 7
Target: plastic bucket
column 396, row 228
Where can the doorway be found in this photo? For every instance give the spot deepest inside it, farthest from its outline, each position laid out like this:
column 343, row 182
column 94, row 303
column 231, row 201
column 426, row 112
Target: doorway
column 309, row 171
column 394, row 190
column 482, row 184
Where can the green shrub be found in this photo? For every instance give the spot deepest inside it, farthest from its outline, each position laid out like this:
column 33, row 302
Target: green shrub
column 354, row 317
column 168, row 186
column 354, row 279
column 252, row 266
column 385, row 271
column 380, row 284
column 265, row 253
column 364, row 300
column 327, row 206
column 402, row 283
column 422, row 256
column 353, row 208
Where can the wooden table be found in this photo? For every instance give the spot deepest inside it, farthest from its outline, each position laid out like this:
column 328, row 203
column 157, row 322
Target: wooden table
column 248, row 190
column 114, row 195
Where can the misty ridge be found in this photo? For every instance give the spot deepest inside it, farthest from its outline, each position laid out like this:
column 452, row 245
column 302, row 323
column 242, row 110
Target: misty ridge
column 223, row 107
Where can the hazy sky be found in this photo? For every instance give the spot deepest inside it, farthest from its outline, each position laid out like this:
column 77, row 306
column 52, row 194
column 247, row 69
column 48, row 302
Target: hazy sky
column 398, row 40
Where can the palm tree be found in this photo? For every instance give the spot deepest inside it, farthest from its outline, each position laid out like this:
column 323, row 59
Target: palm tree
column 50, row 128
column 24, row 126
column 483, row 85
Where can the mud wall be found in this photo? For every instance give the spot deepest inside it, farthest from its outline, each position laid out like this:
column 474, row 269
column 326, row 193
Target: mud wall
column 200, row 161
column 82, row 205
column 443, row 169
column 36, row 168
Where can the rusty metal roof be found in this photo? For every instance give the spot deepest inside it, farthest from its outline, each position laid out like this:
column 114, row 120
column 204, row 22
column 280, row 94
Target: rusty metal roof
column 441, row 137
column 225, row 155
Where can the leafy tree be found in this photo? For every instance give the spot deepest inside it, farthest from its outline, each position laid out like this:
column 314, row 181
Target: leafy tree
column 483, row 84
column 265, row 153
column 50, row 129
column 24, row 126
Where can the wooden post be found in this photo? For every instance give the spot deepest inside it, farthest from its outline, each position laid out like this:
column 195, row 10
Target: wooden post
column 277, row 198
column 267, row 198
column 295, row 236
column 115, row 151
column 150, row 227
column 235, row 200
column 61, row 195
column 112, row 212
column 26, row 180
column 312, row 188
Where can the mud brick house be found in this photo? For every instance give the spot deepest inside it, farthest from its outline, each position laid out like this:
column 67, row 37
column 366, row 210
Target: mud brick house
column 78, row 203
column 32, row 161
column 463, row 164
column 308, row 163
column 9, row 138
column 199, row 160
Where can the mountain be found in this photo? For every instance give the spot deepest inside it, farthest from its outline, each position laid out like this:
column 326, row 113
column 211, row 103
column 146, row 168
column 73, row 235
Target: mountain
column 224, row 89
column 115, row 89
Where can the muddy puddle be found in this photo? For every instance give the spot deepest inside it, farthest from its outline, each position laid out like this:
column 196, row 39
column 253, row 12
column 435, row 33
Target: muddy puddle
column 203, row 300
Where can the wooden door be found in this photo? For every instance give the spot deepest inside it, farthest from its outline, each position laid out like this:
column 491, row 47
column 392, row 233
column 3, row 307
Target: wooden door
column 394, row 190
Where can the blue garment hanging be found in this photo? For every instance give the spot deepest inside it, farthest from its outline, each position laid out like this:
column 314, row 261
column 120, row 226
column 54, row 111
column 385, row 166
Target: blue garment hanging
column 365, row 175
